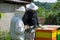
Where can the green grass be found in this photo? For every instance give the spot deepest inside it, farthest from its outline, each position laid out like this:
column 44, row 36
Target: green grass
column 8, row 36
column 4, row 35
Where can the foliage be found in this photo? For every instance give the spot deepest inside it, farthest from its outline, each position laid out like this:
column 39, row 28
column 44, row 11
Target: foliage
column 4, row 35
column 8, row 36
column 40, row 11
column 1, row 14
column 51, row 20
column 56, row 11
column 52, row 14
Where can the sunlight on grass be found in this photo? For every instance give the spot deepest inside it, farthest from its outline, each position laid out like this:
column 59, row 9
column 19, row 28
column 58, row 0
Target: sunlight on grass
column 4, row 35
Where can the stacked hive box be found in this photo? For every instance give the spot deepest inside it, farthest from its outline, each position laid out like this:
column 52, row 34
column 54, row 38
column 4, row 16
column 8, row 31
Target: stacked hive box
column 58, row 34
column 46, row 34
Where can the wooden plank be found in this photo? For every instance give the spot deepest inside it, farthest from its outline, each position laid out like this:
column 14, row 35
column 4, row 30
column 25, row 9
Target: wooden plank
column 45, row 38
column 1, row 1
column 45, row 35
column 16, row 2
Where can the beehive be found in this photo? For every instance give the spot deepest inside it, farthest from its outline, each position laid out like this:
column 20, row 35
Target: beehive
column 58, row 34
column 46, row 34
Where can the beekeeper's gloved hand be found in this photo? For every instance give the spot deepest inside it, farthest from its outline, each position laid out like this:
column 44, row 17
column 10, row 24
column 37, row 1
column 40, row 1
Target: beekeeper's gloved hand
column 41, row 26
column 30, row 28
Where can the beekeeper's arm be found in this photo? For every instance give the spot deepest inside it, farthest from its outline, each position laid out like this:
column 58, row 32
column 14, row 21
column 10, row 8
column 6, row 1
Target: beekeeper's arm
column 25, row 17
column 38, row 24
column 19, row 27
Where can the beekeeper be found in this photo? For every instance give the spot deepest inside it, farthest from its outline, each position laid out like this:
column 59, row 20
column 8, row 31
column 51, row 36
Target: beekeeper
column 17, row 26
column 30, row 20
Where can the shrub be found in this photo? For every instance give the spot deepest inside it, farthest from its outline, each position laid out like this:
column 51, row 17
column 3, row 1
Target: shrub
column 1, row 14
column 4, row 35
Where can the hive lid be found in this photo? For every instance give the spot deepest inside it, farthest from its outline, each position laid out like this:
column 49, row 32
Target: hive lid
column 47, row 28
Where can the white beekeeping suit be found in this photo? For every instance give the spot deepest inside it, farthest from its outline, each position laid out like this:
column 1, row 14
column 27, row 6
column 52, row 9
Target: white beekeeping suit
column 17, row 26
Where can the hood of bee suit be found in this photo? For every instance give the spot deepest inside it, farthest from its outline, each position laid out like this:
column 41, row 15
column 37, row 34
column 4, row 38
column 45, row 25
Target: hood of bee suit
column 20, row 11
column 31, row 6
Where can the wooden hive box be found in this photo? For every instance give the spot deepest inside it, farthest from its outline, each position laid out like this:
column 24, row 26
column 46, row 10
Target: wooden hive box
column 58, row 30
column 46, row 34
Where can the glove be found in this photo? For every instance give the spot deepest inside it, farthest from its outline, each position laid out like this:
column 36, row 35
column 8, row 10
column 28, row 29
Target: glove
column 32, row 27
column 41, row 26
column 28, row 30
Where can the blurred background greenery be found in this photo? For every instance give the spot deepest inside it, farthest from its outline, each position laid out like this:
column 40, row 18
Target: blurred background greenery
column 1, row 14
column 4, row 35
column 50, row 12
